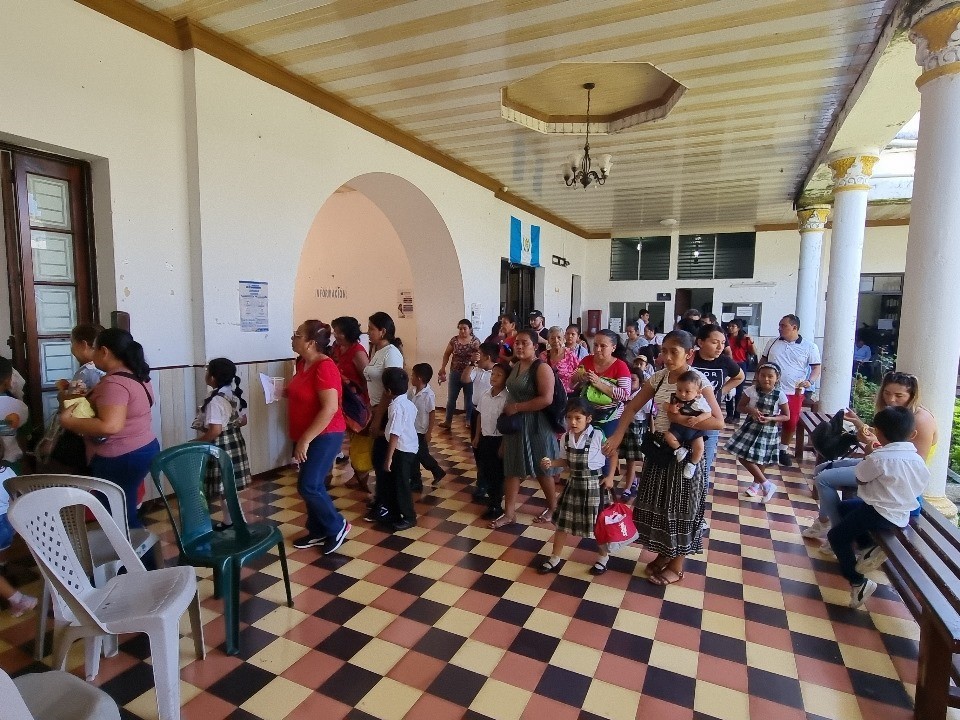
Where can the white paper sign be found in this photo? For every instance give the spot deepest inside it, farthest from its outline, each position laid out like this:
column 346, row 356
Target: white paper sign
column 616, row 324
column 744, row 311
column 476, row 317
column 253, row 307
column 404, row 303
column 272, row 388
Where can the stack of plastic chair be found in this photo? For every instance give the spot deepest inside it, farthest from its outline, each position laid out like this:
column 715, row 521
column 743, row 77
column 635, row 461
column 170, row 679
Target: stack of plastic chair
column 137, row 601
column 54, row 695
column 224, row 551
column 94, row 550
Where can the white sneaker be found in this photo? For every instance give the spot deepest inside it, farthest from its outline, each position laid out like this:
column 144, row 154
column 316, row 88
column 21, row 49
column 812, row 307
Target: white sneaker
column 769, row 490
column 752, row 493
column 859, row 593
column 24, row 604
column 689, row 470
column 818, row 530
column 871, row 559
column 680, row 453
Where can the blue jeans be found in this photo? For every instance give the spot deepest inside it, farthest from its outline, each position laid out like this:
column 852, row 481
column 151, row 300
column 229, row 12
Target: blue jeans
column 858, row 519
column 6, row 532
column 127, row 471
column 323, row 519
column 831, row 477
column 710, row 440
column 455, row 384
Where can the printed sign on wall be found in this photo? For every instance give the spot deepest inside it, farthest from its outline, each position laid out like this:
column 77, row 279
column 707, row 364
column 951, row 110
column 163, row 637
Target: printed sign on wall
column 253, row 307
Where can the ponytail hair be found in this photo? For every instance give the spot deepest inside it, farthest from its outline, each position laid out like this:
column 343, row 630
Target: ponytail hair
column 384, row 323
column 127, row 350
column 224, row 372
column 318, row 333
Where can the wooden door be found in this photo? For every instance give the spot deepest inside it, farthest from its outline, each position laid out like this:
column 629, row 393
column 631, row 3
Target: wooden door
column 50, row 265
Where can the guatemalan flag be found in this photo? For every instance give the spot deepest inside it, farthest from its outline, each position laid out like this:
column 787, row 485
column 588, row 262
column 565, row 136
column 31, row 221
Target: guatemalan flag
column 524, row 246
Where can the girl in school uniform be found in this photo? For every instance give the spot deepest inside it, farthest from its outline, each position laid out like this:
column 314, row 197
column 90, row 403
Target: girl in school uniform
column 221, row 416
column 633, row 438
column 756, row 443
column 581, row 450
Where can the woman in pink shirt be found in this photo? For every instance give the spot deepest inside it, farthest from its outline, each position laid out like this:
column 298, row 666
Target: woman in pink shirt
column 561, row 358
column 120, row 440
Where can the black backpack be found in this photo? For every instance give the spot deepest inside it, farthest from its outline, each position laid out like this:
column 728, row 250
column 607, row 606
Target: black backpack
column 830, row 440
column 556, row 410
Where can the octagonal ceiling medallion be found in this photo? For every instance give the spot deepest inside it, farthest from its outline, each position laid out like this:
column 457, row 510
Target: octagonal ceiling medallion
column 554, row 102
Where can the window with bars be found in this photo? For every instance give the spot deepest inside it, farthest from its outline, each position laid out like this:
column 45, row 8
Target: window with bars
column 640, row 258
column 716, row 256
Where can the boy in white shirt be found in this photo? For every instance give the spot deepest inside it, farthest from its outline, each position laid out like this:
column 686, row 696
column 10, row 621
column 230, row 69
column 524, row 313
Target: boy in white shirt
column 401, row 434
column 487, row 440
column 889, row 480
column 426, row 402
column 479, row 374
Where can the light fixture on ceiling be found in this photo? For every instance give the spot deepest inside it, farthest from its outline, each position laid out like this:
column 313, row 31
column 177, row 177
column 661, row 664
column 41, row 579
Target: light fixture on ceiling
column 577, row 170
column 696, row 249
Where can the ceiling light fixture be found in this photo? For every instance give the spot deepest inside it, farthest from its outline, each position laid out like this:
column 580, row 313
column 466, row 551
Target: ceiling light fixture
column 577, row 170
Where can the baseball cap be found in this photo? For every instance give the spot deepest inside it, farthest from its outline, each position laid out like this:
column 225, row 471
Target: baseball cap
column 535, row 314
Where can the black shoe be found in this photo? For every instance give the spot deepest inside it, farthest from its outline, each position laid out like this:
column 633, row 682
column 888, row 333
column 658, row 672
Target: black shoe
column 493, row 513
column 333, row 543
column 221, row 526
column 785, row 459
column 438, row 478
column 403, row 524
column 416, row 487
column 480, row 496
column 342, row 459
column 377, row 513
column 308, row 541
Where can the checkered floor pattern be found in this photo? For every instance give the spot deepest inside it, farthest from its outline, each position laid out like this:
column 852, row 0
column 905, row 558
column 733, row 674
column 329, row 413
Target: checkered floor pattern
column 451, row 620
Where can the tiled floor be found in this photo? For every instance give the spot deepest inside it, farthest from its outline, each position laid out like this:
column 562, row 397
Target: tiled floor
column 449, row 620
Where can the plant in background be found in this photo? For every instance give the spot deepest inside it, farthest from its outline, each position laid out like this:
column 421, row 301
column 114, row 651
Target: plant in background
column 863, row 398
column 955, row 438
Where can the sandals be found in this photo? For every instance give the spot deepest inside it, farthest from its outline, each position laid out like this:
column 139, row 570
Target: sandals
column 656, row 566
column 662, row 579
column 502, row 521
column 549, row 567
column 545, row 517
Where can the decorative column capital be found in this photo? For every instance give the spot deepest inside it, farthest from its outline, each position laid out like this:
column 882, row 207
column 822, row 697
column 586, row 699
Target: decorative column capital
column 852, row 168
column 937, row 37
column 813, row 218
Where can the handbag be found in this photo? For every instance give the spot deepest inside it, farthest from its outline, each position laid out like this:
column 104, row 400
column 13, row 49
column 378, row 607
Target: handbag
column 509, row 424
column 831, row 440
column 614, row 526
column 653, row 446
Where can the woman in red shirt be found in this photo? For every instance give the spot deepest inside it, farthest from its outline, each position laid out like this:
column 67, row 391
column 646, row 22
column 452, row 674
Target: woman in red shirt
column 351, row 358
column 741, row 346
column 316, row 426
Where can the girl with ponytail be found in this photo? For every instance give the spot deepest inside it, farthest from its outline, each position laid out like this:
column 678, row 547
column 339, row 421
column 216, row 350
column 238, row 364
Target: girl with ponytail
column 219, row 420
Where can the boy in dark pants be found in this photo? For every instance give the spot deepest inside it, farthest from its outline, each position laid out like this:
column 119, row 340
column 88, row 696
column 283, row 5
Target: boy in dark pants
column 889, row 480
column 487, row 439
column 425, row 402
column 402, row 447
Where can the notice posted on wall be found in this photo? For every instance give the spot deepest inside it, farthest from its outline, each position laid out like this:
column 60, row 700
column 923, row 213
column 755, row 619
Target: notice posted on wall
column 476, row 317
column 253, row 306
column 404, row 303
column 272, row 388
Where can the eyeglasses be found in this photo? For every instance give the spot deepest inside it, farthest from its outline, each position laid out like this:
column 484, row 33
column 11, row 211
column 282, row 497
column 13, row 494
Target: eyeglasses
column 295, row 336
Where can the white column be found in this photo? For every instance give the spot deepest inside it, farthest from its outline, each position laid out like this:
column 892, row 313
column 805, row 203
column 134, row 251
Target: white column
column 851, row 176
column 812, row 220
column 932, row 276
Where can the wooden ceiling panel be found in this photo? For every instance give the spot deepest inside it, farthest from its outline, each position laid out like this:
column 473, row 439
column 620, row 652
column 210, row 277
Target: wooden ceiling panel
column 765, row 79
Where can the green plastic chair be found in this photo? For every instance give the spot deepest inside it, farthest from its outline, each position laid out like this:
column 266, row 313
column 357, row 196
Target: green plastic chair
column 185, row 466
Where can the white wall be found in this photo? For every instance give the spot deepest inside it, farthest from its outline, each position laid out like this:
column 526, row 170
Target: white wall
column 79, row 84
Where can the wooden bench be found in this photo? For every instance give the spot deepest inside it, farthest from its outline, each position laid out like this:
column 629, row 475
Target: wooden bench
column 922, row 564
column 808, row 422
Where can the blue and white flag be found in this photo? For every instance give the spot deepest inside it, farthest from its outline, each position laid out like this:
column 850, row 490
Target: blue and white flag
column 524, row 246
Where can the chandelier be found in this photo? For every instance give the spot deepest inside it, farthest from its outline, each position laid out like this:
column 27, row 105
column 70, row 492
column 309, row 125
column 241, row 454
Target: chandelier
column 577, row 170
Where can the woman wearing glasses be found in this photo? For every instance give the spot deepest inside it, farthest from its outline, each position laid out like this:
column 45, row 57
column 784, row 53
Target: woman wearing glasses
column 898, row 389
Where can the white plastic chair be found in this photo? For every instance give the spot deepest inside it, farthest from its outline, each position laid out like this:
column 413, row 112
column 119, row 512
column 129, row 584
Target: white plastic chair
column 138, row 601
column 96, row 554
column 54, row 695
